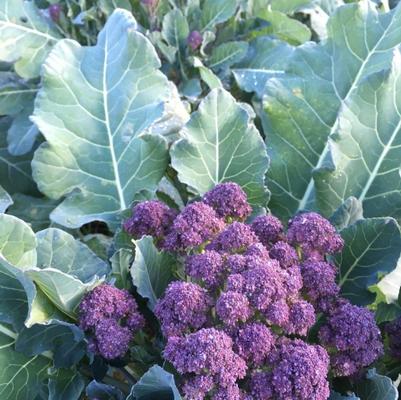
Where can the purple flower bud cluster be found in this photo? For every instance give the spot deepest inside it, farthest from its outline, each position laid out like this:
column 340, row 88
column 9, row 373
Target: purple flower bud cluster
column 237, row 328
column 353, row 337
column 393, row 331
column 194, row 40
column 297, row 371
column 151, row 218
column 110, row 317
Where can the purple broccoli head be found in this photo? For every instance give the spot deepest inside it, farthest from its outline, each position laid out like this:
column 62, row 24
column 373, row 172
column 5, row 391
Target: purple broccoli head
column 314, row 234
column 194, row 40
column 229, row 201
column 151, row 218
column 110, row 317
column 353, row 337
column 183, row 307
column 194, row 226
column 268, row 229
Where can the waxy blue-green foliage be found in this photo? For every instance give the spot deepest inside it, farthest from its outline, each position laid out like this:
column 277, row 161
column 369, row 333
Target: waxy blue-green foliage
column 106, row 103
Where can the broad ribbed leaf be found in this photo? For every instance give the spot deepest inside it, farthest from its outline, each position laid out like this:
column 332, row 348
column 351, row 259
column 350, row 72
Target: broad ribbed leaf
column 66, row 385
column 175, row 29
column 155, row 384
column 120, row 263
column 220, row 143
column 21, row 376
column 347, row 214
column 64, row 340
column 337, row 396
column 285, row 6
column 266, row 59
column 15, row 172
column 16, row 291
column 227, row 54
column 63, row 290
column 366, row 148
column 97, row 390
column 304, row 110
column 60, row 250
column 108, row 6
column 17, row 242
column 151, row 270
column 27, row 36
column 94, row 104
column 372, row 248
column 284, row 27
column 5, row 200
column 33, row 210
column 16, row 99
column 216, row 11
column 376, row 387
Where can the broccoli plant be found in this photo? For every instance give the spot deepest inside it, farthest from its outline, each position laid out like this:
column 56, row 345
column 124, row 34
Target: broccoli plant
column 200, row 199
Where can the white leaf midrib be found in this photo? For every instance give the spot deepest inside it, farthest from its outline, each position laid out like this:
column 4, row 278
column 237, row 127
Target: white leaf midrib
column 120, row 192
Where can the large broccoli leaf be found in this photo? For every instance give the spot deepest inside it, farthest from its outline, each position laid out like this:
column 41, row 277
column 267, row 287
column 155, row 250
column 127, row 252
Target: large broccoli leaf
column 304, row 108
column 94, row 105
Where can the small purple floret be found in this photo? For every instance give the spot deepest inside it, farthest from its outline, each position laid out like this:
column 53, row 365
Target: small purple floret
column 152, row 218
column 268, row 229
column 183, row 307
column 313, row 233
column 194, row 40
column 232, row 307
column 353, row 333
column 229, row 201
column 194, row 226
column 207, row 267
column 110, row 317
column 236, row 238
column 254, row 342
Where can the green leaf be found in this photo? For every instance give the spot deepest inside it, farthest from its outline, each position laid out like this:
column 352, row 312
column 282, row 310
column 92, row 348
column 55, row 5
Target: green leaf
column 64, row 340
column 33, row 210
column 63, row 290
column 285, row 28
column 376, row 387
column 337, row 396
column 347, row 214
column 98, row 100
column 21, row 376
column 387, row 312
column 266, row 58
column 60, row 250
column 365, row 148
column 175, row 29
column 108, row 6
column 27, row 36
column 285, row 6
column 15, row 93
column 5, row 200
column 303, row 110
column 216, row 11
column 207, row 75
column 156, row 383
column 227, row 54
column 22, row 134
column 16, row 292
column 17, row 242
column 372, row 247
column 15, row 171
column 151, row 270
column 66, row 385
column 97, row 390
column 220, row 143
column 100, row 244
column 120, row 264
